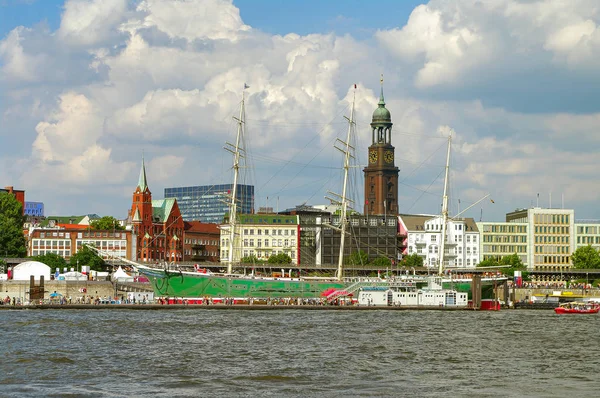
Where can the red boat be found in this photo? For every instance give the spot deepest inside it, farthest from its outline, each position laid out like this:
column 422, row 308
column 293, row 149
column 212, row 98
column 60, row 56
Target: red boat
column 577, row 308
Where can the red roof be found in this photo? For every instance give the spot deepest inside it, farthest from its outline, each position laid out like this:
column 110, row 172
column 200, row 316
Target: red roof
column 201, row 227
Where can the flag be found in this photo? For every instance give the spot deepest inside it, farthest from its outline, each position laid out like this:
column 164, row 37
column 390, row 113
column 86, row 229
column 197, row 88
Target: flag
column 367, row 201
column 246, row 86
column 492, row 200
column 355, row 86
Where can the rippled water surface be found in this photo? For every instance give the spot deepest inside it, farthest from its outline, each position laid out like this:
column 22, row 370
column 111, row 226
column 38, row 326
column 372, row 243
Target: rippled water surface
column 190, row 353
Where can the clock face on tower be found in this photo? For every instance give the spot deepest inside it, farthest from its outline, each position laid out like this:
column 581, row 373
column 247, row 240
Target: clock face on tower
column 388, row 156
column 373, row 156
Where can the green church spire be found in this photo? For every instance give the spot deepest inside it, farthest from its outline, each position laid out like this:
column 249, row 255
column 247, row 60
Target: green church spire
column 142, row 183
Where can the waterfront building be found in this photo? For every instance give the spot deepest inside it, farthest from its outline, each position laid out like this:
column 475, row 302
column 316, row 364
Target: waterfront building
column 500, row 239
column 550, row 237
column 201, row 242
column 261, row 236
column 66, row 240
column 157, row 225
column 18, row 194
column 422, row 235
column 34, row 209
column 320, row 238
column 381, row 174
column 587, row 232
column 210, row 203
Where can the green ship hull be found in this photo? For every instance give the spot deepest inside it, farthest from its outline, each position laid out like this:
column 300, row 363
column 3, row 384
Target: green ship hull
column 199, row 285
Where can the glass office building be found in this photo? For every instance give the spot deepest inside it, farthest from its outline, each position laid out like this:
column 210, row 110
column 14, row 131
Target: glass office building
column 210, row 203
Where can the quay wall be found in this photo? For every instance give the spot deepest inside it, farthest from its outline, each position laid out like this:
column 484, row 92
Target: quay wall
column 524, row 294
column 20, row 289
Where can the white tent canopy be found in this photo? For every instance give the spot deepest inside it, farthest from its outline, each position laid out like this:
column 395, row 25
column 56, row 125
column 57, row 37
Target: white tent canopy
column 23, row 271
column 121, row 276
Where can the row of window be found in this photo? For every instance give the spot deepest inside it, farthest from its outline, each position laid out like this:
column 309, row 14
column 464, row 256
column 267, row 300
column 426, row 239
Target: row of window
column 504, row 238
column 62, row 253
column 588, row 230
column 263, row 255
column 551, row 219
column 434, row 249
column 274, row 242
column 373, row 222
column 207, row 253
column 588, row 240
column 553, row 249
column 551, row 239
column 550, row 260
column 519, row 229
column 189, row 241
column 552, row 230
column 506, row 249
column 283, row 232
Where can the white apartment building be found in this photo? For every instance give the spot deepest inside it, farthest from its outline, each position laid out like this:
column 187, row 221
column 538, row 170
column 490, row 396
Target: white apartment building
column 424, row 234
column 261, row 235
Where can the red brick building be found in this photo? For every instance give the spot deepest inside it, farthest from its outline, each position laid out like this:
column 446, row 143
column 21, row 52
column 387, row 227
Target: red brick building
column 201, row 242
column 157, row 225
column 20, row 195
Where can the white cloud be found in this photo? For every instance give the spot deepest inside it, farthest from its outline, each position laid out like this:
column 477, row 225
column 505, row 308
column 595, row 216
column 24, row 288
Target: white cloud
column 90, row 22
column 17, row 63
column 194, row 19
column 166, row 77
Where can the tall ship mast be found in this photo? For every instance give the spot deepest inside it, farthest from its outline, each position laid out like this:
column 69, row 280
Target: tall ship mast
column 237, row 152
column 445, row 209
column 344, row 203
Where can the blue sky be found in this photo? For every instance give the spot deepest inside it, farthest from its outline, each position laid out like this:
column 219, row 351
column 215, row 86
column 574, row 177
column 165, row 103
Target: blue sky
column 277, row 17
column 88, row 84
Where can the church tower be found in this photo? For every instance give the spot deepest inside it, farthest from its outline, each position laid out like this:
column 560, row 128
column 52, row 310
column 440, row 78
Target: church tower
column 141, row 217
column 381, row 174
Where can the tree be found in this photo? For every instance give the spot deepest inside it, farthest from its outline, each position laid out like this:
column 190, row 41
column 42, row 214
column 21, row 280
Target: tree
column 586, row 257
column 412, row 260
column 251, row 260
column 12, row 240
column 515, row 265
column 86, row 256
column 51, row 260
column 280, row 258
column 357, row 258
column 107, row 223
column 382, row 262
column 513, row 260
column 490, row 262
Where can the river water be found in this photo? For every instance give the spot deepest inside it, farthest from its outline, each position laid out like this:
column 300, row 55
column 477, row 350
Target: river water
column 231, row 353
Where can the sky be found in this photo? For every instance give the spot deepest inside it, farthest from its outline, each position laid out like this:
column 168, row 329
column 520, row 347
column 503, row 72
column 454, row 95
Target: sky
column 88, row 87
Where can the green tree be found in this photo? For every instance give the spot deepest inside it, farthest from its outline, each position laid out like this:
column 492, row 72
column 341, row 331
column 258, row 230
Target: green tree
column 586, row 257
column 86, row 256
column 515, row 265
column 107, row 223
column 51, row 260
column 251, row 260
column 12, row 240
column 357, row 258
column 513, row 260
column 280, row 258
column 490, row 262
column 412, row 260
column 382, row 262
